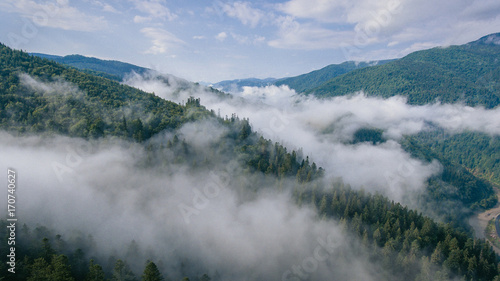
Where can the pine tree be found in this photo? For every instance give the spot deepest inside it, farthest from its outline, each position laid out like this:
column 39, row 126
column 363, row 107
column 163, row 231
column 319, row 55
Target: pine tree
column 95, row 272
column 122, row 272
column 151, row 273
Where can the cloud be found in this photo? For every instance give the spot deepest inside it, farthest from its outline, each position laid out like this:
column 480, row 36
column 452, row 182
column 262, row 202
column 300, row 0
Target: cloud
column 401, row 25
column 59, row 86
column 56, row 15
column 294, row 35
column 107, row 192
column 140, row 19
column 154, row 9
column 106, row 7
column 328, row 11
column 162, row 40
column 325, row 128
column 221, row 36
column 245, row 13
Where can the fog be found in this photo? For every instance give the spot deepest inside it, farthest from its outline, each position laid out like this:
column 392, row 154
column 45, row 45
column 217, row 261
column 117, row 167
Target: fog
column 187, row 220
column 323, row 128
column 220, row 219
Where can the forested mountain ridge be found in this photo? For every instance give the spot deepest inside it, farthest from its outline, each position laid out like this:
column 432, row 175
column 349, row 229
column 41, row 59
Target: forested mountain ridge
column 466, row 73
column 112, row 69
column 298, row 83
column 313, row 79
column 478, row 152
column 37, row 97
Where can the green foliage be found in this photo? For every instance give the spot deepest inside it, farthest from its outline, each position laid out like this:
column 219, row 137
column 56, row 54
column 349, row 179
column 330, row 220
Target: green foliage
column 122, row 272
column 400, row 238
column 110, row 69
column 95, row 272
column 151, row 272
column 55, row 270
column 453, row 193
column 372, row 135
column 468, row 73
column 316, row 78
column 478, row 152
column 47, row 101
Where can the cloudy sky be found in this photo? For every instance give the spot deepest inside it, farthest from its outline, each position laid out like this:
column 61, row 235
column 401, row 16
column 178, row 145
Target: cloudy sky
column 214, row 40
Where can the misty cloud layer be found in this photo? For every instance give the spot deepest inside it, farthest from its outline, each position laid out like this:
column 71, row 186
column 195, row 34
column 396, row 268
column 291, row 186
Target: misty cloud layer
column 174, row 214
column 323, row 128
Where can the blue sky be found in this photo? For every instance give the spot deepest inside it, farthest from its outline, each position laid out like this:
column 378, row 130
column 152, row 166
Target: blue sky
column 205, row 40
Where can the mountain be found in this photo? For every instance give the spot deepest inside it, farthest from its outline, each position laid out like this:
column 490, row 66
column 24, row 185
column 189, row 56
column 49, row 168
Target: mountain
column 299, row 83
column 466, row 73
column 235, row 86
column 112, row 69
column 316, row 78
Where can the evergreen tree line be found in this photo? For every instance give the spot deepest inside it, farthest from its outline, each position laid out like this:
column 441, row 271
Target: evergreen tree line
column 408, row 245
column 54, row 259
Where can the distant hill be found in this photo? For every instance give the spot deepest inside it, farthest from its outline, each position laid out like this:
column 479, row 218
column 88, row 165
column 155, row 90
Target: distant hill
column 234, row 86
column 468, row 73
column 111, row 69
column 318, row 77
column 299, row 83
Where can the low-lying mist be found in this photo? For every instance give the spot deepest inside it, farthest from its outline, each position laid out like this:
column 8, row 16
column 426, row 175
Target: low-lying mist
column 138, row 206
column 324, row 129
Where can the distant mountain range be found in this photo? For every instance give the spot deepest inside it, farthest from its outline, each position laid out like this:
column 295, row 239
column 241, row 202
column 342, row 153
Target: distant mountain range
column 299, row 83
column 234, row 86
column 466, row 73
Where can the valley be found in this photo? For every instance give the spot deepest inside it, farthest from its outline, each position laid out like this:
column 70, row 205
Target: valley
column 392, row 166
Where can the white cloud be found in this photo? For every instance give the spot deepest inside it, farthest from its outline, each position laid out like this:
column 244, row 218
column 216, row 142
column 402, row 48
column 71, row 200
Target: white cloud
column 199, row 37
column 56, row 15
column 162, row 40
column 155, row 9
column 321, row 10
column 412, row 24
column 221, row 36
column 139, row 19
column 243, row 12
column 294, row 35
column 106, row 7
column 324, row 129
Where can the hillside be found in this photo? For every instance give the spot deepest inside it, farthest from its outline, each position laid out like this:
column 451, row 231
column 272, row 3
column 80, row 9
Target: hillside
column 96, row 107
column 467, row 73
column 311, row 80
column 115, row 70
column 299, row 83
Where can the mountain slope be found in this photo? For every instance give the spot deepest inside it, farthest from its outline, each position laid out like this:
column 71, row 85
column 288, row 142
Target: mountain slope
column 35, row 98
column 299, row 83
column 316, row 78
column 117, row 70
column 467, row 73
